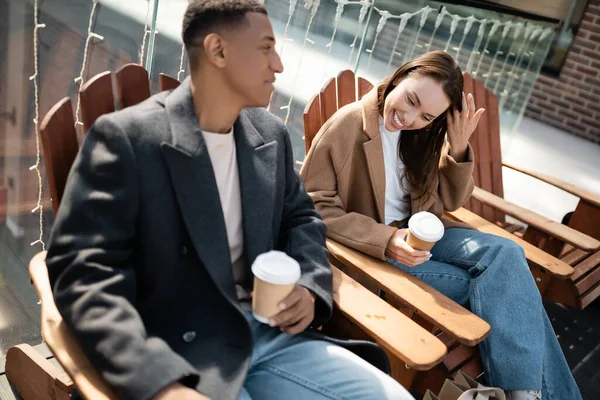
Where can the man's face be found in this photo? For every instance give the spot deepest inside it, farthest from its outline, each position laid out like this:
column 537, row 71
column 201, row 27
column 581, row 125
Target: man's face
column 252, row 61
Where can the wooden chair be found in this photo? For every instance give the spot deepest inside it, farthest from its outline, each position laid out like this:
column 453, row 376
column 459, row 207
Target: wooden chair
column 576, row 242
column 409, row 344
column 456, row 326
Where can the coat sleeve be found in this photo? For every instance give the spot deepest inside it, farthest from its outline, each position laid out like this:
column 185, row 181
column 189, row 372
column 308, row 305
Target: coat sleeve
column 91, row 270
column 320, row 174
column 455, row 179
column 302, row 236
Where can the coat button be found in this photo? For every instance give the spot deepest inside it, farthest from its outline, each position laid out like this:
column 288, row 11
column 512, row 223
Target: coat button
column 184, row 250
column 189, row 337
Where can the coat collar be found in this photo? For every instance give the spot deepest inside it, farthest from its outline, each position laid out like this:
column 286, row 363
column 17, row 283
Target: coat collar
column 197, row 194
column 374, row 155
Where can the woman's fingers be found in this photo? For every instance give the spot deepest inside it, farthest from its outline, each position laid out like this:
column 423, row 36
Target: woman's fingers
column 472, row 108
column 478, row 115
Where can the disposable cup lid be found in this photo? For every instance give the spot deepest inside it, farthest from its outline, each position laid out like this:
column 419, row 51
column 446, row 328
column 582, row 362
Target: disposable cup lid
column 426, row 226
column 276, row 267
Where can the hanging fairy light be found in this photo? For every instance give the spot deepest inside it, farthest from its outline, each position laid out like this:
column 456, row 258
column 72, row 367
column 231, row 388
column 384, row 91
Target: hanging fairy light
column 475, row 51
column 403, row 21
column 516, row 34
column 453, row 26
column 470, row 20
column 438, row 22
column 384, row 16
column 424, row 15
column 313, row 5
column 80, row 79
column 364, row 8
column 35, row 79
column 498, row 52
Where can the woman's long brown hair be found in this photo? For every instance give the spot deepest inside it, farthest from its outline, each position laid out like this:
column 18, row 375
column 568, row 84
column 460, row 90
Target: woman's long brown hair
column 420, row 150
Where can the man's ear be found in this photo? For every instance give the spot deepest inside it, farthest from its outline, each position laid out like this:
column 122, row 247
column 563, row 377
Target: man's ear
column 214, row 50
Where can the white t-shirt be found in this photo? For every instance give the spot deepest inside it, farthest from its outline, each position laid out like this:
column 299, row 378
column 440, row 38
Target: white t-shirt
column 221, row 149
column 397, row 197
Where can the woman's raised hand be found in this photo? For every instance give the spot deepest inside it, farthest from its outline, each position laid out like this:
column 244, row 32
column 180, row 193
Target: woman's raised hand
column 461, row 126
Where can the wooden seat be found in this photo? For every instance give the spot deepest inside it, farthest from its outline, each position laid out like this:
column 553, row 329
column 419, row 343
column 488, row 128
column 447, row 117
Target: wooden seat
column 431, row 309
column 411, row 346
column 581, row 232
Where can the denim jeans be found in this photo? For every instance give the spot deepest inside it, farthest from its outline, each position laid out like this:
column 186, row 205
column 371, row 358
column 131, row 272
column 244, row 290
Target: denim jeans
column 294, row 367
column 490, row 274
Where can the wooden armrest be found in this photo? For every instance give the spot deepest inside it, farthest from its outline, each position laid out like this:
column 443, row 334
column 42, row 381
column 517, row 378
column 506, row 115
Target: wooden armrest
column 390, row 328
column 567, row 187
column 33, row 376
column 546, row 225
column 536, row 257
column 60, row 340
column 430, row 304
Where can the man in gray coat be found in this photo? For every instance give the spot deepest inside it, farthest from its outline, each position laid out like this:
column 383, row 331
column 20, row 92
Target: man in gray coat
column 168, row 204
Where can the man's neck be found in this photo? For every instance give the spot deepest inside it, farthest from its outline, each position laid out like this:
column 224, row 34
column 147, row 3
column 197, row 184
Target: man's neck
column 215, row 107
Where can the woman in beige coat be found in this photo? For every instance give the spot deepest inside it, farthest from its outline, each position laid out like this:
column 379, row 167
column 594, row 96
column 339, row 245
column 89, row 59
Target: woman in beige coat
column 378, row 161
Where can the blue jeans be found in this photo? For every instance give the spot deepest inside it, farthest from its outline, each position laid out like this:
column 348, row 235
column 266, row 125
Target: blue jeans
column 294, row 367
column 490, row 273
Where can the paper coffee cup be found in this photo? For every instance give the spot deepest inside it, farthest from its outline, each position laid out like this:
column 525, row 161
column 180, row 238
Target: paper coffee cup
column 275, row 275
column 424, row 230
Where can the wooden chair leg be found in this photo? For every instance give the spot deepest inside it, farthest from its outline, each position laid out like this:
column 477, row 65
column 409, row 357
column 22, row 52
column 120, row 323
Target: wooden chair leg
column 34, row 377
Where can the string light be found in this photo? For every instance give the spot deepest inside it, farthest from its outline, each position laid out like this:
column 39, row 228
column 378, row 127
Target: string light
column 438, row 22
column 424, row 14
column 468, row 26
column 146, row 32
column 314, row 6
column 403, row 21
column 34, row 78
column 365, row 4
column 480, row 34
column 79, row 80
column 516, row 34
column 498, row 52
column 181, row 70
column 455, row 20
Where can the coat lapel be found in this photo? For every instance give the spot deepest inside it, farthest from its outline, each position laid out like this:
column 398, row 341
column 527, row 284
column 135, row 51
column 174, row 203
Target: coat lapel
column 257, row 163
column 374, row 150
column 196, row 190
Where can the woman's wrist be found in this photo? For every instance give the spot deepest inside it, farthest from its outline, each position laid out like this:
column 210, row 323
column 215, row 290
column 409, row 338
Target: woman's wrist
column 458, row 152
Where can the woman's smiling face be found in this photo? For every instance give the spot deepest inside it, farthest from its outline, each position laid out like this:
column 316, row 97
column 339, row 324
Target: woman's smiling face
column 414, row 103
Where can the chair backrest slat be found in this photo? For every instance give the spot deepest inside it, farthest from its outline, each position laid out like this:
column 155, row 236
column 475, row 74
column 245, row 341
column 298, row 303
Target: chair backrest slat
column 363, row 87
column 166, row 82
column 493, row 112
column 133, row 85
column 59, row 143
column 346, row 88
column 97, row 98
column 486, row 145
column 3, row 202
column 484, row 153
column 473, row 204
column 328, row 100
column 312, row 120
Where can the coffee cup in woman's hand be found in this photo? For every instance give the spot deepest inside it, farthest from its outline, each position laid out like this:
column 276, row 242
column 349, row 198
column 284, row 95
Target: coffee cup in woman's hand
column 400, row 251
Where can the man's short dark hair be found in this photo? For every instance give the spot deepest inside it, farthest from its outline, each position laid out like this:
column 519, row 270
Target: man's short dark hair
column 203, row 17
